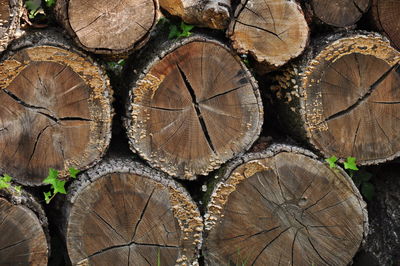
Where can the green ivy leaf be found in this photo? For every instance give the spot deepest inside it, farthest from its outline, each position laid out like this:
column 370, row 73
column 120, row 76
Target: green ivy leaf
column 32, row 5
column 58, row 187
column 7, row 178
column 368, row 190
column 332, row 161
column 47, row 196
column 4, row 184
column 173, row 32
column 350, row 163
column 186, row 28
column 50, row 3
column 73, row 172
column 18, row 189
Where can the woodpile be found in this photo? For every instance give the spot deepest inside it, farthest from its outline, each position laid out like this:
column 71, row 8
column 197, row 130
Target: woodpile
column 198, row 146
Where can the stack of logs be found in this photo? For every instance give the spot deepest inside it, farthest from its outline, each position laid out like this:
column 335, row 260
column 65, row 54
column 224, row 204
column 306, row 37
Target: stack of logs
column 193, row 110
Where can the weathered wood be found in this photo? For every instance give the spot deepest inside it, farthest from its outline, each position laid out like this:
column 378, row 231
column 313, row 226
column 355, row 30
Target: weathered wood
column 108, row 27
column 123, row 213
column 23, row 228
column 343, row 97
column 385, row 14
column 214, row 14
column 56, row 109
column 283, row 206
column 340, row 13
column 273, row 31
column 193, row 107
column 10, row 15
column 384, row 212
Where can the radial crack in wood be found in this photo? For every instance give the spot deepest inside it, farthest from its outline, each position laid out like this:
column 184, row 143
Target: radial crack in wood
column 282, row 206
column 273, row 31
column 56, row 106
column 343, row 95
column 137, row 216
column 106, row 27
column 193, row 108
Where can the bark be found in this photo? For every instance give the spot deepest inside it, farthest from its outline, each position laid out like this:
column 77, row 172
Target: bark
column 23, row 228
column 193, row 106
column 214, row 14
column 273, row 31
column 56, row 108
column 10, row 15
column 283, row 206
column 124, row 213
column 111, row 28
column 385, row 15
column 340, row 13
column 342, row 97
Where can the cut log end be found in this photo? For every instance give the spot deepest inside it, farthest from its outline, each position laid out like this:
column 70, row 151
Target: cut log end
column 132, row 217
column 386, row 17
column 23, row 239
column 273, row 32
column 56, row 113
column 195, row 108
column 340, row 13
column 352, row 100
column 109, row 27
column 284, row 208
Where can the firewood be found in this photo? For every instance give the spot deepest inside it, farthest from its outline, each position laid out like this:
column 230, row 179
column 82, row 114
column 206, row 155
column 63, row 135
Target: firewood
column 10, row 15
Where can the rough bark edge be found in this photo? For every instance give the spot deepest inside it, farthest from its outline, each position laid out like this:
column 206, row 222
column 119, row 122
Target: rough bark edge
column 184, row 208
column 61, row 15
column 53, row 38
column 214, row 14
column 26, row 199
column 221, row 190
column 264, row 61
column 293, row 79
column 140, row 72
column 16, row 9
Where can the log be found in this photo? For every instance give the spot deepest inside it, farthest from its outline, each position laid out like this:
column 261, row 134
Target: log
column 10, row 15
column 342, row 97
column 124, row 213
column 385, row 15
column 272, row 31
column 108, row 27
column 339, row 13
column 283, row 206
column 214, row 14
column 193, row 107
column 23, row 228
column 56, row 109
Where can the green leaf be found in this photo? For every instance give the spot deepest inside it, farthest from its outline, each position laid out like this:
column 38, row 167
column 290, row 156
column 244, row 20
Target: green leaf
column 73, row 172
column 32, row 5
column 4, row 184
column 368, row 190
column 52, row 177
column 173, row 32
column 350, row 163
column 7, row 178
column 47, row 196
column 58, row 187
column 186, row 27
column 121, row 62
column 332, row 161
column 18, row 188
column 50, row 3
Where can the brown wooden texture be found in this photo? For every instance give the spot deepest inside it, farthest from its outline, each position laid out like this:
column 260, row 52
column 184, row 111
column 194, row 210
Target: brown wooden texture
column 339, row 13
column 23, row 230
column 343, row 97
column 283, row 207
column 10, row 14
column 385, row 14
column 214, row 14
column 273, row 31
column 123, row 213
column 108, row 27
column 56, row 110
column 193, row 109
